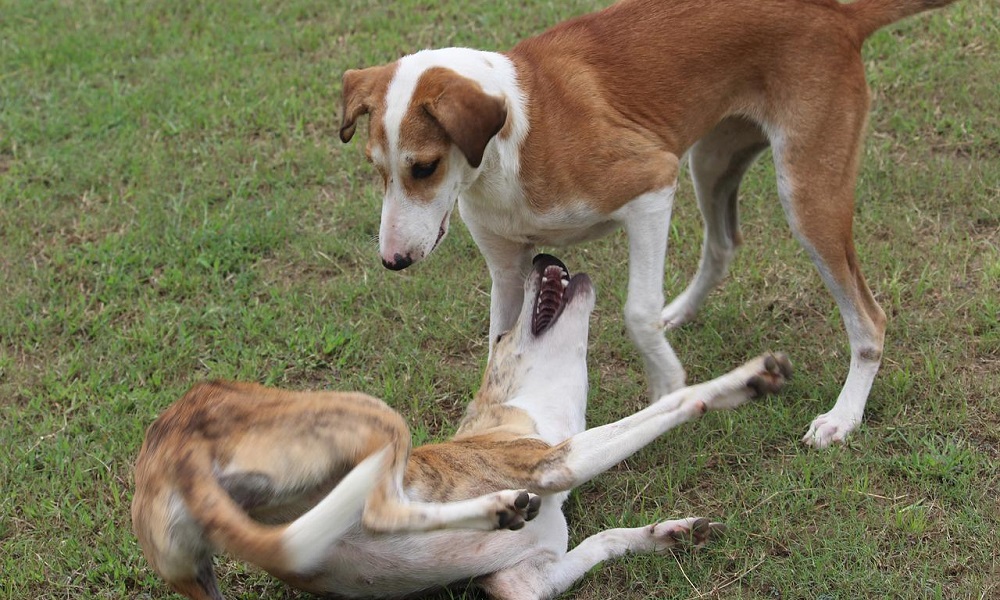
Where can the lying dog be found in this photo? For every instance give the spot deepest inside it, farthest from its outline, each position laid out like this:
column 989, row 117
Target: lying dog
column 277, row 477
column 582, row 129
column 229, row 452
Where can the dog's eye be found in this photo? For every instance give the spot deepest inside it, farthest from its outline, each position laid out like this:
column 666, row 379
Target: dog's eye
column 500, row 337
column 425, row 170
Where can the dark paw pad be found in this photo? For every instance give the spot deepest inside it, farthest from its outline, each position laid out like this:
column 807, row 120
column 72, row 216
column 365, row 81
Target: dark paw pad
column 510, row 520
column 759, row 386
column 524, row 508
column 777, row 369
column 699, row 533
column 778, row 363
column 534, row 505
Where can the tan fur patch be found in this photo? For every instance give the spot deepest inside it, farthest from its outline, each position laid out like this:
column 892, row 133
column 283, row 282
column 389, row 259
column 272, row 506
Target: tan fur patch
column 364, row 92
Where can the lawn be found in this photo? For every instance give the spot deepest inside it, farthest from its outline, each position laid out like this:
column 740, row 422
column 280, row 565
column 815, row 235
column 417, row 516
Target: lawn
column 175, row 205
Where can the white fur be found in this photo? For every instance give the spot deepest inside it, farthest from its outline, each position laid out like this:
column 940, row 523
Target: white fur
column 309, row 538
column 647, row 222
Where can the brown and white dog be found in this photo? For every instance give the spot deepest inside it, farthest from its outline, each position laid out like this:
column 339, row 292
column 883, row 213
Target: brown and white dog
column 582, row 129
column 229, row 459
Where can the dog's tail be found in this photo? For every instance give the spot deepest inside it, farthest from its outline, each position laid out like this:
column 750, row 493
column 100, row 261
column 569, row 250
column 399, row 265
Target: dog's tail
column 871, row 15
column 294, row 548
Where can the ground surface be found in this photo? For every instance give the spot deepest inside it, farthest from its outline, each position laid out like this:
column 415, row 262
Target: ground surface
column 175, row 205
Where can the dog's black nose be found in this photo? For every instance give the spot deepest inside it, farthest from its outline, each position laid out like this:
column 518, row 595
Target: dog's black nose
column 398, row 263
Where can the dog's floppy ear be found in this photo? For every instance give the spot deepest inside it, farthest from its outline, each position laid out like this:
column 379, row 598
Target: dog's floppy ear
column 469, row 116
column 358, row 87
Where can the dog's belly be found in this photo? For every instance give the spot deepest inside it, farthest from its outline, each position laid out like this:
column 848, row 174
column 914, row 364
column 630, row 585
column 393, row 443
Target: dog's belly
column 391, row 566
column 515, row 221
column 388, row 566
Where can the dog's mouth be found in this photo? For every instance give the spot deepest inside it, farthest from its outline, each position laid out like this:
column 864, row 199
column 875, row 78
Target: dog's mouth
column 555, row 290
column 442, row 229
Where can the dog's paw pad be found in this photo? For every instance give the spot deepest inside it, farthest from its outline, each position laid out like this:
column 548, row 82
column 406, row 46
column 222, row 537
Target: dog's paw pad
column 510, row 520
column 692, row 533
column 523, row 507
column 534, row 505
column 697, row 533
column 776, row 370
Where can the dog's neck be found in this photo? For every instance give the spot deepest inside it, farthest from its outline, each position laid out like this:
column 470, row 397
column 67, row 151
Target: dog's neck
column 551, row 408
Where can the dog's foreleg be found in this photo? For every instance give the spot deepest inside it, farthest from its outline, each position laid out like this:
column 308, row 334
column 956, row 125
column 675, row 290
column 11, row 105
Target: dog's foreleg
column 549, row 578
column 613, row 543
column 647, row 222
column 596, row 450
column 509, row 263
column 508, row 509
column 388, row 510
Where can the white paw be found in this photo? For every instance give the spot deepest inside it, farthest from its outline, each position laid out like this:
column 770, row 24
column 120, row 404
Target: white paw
column 677, row 313
column 829, row 428
column 694, row 532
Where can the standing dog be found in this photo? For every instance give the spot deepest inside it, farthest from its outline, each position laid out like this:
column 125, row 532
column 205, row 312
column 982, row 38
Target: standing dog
column 582, row 129
column 228, row 455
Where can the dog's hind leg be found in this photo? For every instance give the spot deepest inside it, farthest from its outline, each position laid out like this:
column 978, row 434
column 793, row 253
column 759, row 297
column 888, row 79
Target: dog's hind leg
column 817, row 168
column 549, row 578
column 718, row 162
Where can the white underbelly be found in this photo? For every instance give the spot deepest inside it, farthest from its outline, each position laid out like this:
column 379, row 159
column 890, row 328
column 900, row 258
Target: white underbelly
column 363, row 565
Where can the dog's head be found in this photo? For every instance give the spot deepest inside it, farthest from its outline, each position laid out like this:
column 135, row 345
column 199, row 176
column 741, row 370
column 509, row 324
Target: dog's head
column 430, row 122
column 546, row 351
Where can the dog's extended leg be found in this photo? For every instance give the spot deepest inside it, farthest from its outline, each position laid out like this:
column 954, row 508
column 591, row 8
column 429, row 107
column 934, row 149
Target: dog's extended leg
column 613, row 543
column 816, row 177
column 590, row 453
column 718, row 162
column 547, row 578
column 508, row 509
column 647, row 222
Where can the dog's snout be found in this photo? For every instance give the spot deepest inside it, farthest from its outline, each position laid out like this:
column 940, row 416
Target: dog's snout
column 398, row 262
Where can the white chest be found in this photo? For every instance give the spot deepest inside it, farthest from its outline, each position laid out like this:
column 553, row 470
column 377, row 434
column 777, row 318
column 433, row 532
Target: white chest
column 502, row 210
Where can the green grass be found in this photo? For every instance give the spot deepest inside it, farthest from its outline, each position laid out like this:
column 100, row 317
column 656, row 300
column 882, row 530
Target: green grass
column 175, row 205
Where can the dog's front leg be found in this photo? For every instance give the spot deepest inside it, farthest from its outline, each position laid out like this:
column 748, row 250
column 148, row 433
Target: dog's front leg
column 509, row 263
column 588, row 454
column 647, row 222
